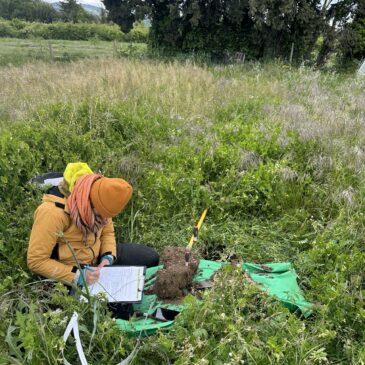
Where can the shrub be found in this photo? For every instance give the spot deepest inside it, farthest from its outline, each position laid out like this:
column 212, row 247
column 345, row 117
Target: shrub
column 6, row 30
column 71, row 31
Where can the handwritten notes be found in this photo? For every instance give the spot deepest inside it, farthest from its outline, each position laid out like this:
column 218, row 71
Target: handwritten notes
column 120, row 283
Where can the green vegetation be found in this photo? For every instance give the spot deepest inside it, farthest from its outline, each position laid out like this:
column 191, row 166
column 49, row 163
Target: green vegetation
column 261, row 29
column 72, row 11
column 41, row 11
column 276, row 154
column 71, row 31
column 19, row 51
column 31, row 10
column 352, row 42
column 304, row 31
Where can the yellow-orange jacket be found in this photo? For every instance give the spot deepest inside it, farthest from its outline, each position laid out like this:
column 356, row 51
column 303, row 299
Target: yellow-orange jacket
column 50, row 219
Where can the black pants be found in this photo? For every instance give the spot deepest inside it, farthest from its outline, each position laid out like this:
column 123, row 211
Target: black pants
column 135, row 254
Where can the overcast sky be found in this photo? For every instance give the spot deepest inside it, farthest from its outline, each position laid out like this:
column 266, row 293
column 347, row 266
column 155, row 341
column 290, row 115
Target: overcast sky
column 91, row 2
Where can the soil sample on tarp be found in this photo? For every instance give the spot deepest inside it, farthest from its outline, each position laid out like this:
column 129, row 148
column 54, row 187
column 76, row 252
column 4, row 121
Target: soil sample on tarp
column 175, row 278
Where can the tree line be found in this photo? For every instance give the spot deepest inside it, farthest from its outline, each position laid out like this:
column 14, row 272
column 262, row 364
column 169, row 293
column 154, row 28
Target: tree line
column 40, row 11
column 261, row 29
column 307, row 30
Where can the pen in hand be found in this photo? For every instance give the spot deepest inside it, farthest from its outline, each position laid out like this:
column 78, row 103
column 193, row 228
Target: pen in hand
column 91, row 274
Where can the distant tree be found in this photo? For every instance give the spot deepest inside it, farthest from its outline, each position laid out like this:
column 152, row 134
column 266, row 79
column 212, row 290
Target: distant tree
column 126, row 12
column 260, row 28
column 31, row 10
column 336, row 18
column 71, row 11
column 103, row 16
column 279, row 24
column 352, row 38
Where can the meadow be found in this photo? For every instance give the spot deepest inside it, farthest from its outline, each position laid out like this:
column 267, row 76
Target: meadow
column 16, row 52
column 278, row 157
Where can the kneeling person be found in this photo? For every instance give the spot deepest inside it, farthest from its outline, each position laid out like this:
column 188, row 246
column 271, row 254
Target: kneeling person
column 74, row 222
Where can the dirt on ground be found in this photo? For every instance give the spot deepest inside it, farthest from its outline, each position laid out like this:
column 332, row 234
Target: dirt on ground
column 175, row 279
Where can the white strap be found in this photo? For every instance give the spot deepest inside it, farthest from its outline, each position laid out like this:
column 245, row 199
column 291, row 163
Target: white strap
column 127, row 360
column 73, row 326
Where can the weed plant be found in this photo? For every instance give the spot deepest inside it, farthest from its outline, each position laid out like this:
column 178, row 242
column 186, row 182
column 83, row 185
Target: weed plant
column 277, row 155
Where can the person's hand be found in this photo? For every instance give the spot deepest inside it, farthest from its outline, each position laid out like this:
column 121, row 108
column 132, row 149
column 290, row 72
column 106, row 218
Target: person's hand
column 103, row 263
column 92, row 275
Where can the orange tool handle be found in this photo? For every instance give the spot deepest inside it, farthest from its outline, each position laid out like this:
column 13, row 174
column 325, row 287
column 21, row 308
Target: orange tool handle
column 197, row 228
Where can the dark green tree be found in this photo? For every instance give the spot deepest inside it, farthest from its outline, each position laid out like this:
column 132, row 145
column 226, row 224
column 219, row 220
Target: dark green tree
column 336, row 17
column 259, row 28
column 281, row 24
column 31, row 10
column 126, row 12
column 71, row 11
column 352, row 38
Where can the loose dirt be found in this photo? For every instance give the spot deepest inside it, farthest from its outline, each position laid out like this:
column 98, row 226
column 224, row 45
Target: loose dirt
column 175, row 279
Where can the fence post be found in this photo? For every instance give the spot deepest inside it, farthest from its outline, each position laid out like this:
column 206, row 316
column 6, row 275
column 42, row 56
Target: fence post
column 115, row 48
column 50, row 48
column 291, row 54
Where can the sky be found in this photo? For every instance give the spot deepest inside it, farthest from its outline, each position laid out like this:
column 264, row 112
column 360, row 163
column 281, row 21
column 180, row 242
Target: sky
column 90, row 2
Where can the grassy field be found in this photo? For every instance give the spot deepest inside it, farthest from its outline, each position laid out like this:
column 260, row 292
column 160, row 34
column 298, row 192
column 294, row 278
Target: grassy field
column 19, row 51
column 277, row 155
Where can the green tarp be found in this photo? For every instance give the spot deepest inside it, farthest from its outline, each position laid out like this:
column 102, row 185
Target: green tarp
column 280, row 281
column 277, row 279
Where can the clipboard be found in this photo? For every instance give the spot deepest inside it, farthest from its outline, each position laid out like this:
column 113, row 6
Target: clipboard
column 120, row 283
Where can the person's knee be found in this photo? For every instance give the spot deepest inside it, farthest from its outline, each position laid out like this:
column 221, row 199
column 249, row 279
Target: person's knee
column 153, row 258
column 136, row 254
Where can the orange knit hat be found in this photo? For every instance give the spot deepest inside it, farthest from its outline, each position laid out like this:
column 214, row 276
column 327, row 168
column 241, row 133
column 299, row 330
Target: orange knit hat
column 109, row 196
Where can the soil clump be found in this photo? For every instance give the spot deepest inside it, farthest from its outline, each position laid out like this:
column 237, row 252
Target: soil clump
column 173, row 281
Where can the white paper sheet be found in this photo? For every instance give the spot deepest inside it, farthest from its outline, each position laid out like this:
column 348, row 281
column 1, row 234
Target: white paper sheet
column 120, row 283
column 54, row 182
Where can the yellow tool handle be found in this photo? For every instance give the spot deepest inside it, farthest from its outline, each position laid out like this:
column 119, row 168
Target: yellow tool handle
column 201, row 220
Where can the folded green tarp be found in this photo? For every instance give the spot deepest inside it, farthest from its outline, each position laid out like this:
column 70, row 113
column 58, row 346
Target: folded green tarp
column 278, row 280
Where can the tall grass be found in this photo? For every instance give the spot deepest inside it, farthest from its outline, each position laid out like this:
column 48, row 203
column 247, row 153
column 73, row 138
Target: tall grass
column 181, row 90
column 276, row 154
